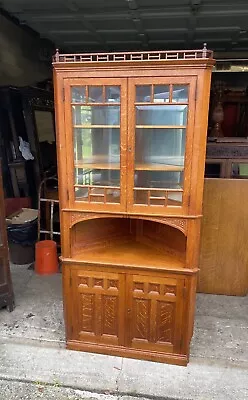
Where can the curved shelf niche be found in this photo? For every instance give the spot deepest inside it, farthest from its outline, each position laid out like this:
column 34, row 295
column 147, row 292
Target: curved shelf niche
column 129, row 242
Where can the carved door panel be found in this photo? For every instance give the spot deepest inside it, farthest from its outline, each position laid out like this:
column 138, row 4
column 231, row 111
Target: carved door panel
column 98, row 307
column 155, row 308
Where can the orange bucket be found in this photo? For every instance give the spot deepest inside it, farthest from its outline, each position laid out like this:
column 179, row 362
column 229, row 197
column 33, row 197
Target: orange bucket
column 46, row 259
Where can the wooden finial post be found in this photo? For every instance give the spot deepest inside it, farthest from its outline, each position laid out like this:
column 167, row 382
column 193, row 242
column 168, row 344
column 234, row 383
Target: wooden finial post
column 204, row 50
column 57, row 55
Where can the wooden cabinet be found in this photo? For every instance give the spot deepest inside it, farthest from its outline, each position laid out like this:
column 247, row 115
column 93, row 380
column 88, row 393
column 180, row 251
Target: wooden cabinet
column 131, row 135
column 6, row 291
column 227, row 158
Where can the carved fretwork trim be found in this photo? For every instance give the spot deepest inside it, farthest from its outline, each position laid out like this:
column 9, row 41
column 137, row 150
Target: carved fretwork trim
column 178, row 223
column 227, row 151
column 81, row 216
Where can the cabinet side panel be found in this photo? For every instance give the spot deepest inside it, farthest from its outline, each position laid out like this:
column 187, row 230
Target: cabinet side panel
column 60, row 137
column 199, row 141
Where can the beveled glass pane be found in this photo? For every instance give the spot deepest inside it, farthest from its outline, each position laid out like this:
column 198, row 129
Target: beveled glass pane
column 78, row 94
column 180, row 94
column 240, row 170
column 161, row 93
column 113, row 196
column 95, row 176
column 175, row 198
column 158, row 201
column 95, row 94
column 97, row 146
column 96, row 115
column 157, row 198
column 113, row 94
column 141, row 197
column 82, row 193
column 158, row 179
column 143, row 93
column 174, row 115
column 98, row 195
column 160, row 147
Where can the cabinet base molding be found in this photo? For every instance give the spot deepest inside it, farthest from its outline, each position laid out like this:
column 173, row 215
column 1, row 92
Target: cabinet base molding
column 175, row 359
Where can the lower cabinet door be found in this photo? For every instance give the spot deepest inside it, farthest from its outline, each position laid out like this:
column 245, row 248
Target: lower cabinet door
column 98, row 307
column 154, row 313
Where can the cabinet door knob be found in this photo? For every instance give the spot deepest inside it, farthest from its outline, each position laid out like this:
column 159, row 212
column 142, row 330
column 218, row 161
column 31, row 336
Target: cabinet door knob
column 129, row 149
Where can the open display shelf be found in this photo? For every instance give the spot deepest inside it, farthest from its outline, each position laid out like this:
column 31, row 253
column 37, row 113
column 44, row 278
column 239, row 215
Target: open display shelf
column 131, row 132
column 130, row 242
column 132, row 254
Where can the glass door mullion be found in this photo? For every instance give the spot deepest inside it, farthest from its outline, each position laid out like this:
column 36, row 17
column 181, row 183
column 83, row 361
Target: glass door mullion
column 96, row 107
column 158, row 132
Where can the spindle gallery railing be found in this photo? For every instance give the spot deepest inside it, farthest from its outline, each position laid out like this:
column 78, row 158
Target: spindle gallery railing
column 134, row 56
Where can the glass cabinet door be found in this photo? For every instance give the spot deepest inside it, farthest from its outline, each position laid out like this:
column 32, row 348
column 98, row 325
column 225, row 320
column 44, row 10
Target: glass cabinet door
column 98, row 133
column 158, row 138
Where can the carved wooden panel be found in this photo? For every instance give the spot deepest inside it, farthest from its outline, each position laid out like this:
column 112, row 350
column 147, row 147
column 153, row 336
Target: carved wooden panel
column 98, row 313
column 154, row 312
column 227, row 150
column 77, row 216
column 179, row 223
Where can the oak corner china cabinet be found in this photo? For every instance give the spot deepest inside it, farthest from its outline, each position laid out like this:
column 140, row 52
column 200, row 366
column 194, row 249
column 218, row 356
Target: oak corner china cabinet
column 131, row 139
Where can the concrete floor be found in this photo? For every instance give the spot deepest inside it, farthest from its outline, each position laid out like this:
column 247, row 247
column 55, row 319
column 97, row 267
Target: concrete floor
column 218, row 367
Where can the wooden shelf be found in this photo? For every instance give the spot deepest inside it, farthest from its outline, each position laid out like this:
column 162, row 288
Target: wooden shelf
column 106, row 104
column 133, row 254
column 114, row 166
column 138, row 167
column 158, row 167
column 96, row 126
column 161, row 103
column 161, row 127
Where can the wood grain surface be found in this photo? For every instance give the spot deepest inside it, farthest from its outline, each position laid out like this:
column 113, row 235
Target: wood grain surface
column 224, row 244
